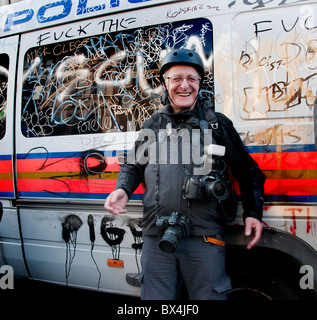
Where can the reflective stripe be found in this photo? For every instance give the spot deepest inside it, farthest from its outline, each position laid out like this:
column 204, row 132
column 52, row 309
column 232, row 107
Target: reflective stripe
column 6, row 177
column 290, row 175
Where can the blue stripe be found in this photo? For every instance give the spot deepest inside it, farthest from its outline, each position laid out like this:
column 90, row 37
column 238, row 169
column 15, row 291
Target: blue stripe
column 71, row 195
column 282, row 148
column 103, row 196
column 291, row 198
column 5, row 157
column 54, row 155
column 6, row 194
column 114, row 153
column 286, row 199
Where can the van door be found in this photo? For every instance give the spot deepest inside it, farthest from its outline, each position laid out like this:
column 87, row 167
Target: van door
column 8, row 49
column 10, row 243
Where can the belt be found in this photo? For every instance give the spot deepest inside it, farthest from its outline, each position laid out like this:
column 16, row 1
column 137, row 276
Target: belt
column 214, row 241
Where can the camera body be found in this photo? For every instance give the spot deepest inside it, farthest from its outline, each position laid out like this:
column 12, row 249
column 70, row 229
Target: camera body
column 215, row 185
column 172, row 228
column 206, row 188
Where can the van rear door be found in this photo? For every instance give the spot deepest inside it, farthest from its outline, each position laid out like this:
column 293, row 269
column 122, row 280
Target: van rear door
column 10, row 242
column 8, row 49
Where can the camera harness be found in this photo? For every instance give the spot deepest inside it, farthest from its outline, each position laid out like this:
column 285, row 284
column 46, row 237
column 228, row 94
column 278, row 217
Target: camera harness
column 203, row 124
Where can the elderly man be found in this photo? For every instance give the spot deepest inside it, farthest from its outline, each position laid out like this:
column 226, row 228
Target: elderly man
column 185, row 212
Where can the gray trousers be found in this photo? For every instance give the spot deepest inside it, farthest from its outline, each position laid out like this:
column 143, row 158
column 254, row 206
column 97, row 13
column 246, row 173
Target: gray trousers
column 199, row 264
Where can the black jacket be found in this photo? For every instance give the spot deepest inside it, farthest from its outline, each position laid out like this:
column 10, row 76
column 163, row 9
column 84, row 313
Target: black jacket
column 164, row 182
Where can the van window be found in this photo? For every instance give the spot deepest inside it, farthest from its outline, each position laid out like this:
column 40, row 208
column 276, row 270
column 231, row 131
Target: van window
column 4, row 74
column 276, row 64
column 100, row 83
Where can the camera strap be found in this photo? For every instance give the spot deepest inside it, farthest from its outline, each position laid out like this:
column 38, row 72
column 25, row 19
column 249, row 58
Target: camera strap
column 202, row 119
column 214, row 241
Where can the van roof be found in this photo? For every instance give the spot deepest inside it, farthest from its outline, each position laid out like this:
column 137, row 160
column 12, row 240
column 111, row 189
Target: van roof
column 29, row 15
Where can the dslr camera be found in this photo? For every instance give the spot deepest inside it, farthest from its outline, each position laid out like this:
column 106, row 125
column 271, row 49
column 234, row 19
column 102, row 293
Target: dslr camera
column 172, row 228
column 208, row 187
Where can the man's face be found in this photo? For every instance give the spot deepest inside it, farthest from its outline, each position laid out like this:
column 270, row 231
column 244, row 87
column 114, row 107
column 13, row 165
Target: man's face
column 182, row 84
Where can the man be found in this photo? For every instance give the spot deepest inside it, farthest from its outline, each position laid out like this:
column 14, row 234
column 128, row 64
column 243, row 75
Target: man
column 182, row 225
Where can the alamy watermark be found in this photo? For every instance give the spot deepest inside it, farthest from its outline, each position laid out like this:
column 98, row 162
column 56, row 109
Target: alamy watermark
column 307, row 280
column 6, row 277
column 163, row 147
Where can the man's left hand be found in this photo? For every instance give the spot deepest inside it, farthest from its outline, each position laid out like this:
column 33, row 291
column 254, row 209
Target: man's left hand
column 253, row 227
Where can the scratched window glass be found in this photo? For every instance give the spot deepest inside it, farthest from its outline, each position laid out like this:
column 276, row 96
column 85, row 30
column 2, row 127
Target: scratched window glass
column 105, row 82
column 4, row 74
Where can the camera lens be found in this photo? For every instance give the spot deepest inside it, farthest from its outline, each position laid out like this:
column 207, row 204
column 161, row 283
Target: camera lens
column 217, row 189
column 167, row 246
column 170, row 239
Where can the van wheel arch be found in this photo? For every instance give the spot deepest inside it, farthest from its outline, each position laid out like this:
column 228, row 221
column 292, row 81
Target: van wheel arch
column 269, row 271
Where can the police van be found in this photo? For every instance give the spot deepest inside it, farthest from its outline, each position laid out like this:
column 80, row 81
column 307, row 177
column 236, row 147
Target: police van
column 78, row 79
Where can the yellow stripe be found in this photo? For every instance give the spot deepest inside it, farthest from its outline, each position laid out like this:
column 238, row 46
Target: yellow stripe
column 291, row 174
column 66, row 175
column 6, row 176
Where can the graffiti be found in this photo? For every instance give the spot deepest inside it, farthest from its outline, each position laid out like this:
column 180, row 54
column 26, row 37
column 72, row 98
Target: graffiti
column 280, row 96
column 111, row 231
column 88, row 168
column 93, row 163
column 92, row 237
column 275, row 135
column 70, row 227
column 25, row 18
column 170, row 14
column 135, row 227
column 112, row 235
column 107, row 25
column 4, row 75
column 256, row 4
column 298, row 213
column 98, row 84
column 277, row 63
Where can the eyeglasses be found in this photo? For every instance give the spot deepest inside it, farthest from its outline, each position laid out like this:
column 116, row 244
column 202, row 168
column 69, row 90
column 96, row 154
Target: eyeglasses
column 179, row 80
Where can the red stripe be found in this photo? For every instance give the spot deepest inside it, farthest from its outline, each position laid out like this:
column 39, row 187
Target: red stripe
column 286, row 160
column 63, row 164
column 6, row 186
column 266, row 161
column 291, row 187
column 72, row 185
column 272, row 186
column 287, row 187
column 5, row 166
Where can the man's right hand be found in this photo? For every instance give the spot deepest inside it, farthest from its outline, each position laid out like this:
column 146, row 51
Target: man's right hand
column 116, row 202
